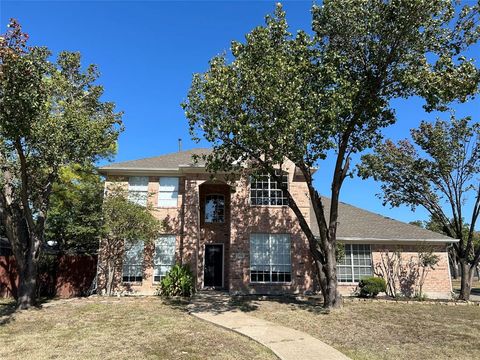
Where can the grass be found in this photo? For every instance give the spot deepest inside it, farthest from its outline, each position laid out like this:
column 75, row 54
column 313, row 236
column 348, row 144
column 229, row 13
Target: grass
column 124, row 328
column 374, row 330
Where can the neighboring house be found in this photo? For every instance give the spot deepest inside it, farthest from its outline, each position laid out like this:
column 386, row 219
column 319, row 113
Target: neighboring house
column 245, row 239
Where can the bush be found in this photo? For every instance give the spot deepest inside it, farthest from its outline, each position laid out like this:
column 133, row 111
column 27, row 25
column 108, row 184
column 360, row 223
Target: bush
column 177, row 282
column 371, row 286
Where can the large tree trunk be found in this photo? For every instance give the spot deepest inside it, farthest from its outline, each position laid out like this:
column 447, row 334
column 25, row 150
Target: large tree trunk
column 454, row 264
column 27, row 253
column 27, row 288
column 328, row 277
column 467, row 272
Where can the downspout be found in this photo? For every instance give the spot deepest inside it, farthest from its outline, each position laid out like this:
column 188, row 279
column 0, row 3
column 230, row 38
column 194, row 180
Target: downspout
column 182, row 221
column 197, row 187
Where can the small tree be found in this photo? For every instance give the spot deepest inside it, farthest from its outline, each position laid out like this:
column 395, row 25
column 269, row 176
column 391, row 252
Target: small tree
column 51, row 117
column 388, row 268
column 304, row 98
column 439, row 172
column 124, row 224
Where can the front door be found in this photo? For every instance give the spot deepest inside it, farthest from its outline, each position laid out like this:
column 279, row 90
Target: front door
column 213, row 269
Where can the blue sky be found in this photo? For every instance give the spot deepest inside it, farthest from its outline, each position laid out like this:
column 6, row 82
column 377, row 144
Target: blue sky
column 148, row 51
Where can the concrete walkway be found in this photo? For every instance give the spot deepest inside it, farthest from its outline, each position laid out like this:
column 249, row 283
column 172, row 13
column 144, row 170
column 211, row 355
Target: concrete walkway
column 286, row 343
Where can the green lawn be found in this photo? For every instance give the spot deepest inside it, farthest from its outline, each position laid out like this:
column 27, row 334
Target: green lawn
column 123, row 328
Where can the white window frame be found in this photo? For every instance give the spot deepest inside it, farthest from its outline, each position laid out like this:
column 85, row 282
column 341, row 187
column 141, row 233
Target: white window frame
column 357, row 253
column 138, row 189
column 270, row 189
column 216, row 196
column 168, row 192
column 263, row 250
column 162, row 265
column 133, row 268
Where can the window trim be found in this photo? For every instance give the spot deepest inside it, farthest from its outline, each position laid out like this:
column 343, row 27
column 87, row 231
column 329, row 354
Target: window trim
column 168, row 192
column 270, row 265
column 352, row 266
column 153, row 258
column 205, row 210
column 284, row 198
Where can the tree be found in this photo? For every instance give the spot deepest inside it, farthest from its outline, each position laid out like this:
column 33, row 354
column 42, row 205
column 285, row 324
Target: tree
column 51, row 117
column 438, row 172
column 434, row 225
column 124, row 224
column 304, row 98
column 75, row 214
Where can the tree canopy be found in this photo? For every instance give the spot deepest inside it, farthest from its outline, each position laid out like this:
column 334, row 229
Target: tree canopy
column 75, row 215
column 51, row 117
column 439, row 172
column 303, row 98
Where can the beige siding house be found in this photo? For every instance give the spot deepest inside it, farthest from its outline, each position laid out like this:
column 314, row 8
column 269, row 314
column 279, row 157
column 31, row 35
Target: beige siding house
column 242, row 237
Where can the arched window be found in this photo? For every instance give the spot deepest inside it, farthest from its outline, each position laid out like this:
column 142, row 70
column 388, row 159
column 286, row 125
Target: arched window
column 214, row 208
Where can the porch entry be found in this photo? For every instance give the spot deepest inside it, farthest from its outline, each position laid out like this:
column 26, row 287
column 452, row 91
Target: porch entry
column 213, row 267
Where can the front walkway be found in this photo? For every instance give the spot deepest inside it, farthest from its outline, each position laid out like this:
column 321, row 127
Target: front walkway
column 286, row 343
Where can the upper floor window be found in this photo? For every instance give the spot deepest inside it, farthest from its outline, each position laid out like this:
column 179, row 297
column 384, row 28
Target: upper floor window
column 265, row 191
column 138, row 189
column 214, row 208
column 356, row 264
column 133, row 262
column 168, row 192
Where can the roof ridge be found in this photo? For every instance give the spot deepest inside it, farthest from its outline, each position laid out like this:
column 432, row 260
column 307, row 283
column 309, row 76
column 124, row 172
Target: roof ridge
column 173, row 153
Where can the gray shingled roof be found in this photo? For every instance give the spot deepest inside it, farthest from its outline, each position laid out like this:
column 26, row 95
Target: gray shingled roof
column 167, row 161
column 358, row 224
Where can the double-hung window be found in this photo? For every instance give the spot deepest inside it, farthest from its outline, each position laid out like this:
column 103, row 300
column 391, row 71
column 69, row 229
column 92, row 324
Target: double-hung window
column 138, row 189
column 168, row 191
column 133, row 262
column 214, row 208
column 270, row 259
column 356, row 264
column 264, row 190
column 164, row 257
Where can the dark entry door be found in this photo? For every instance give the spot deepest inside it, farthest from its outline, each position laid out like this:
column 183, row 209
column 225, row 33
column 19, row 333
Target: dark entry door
column 213, row 271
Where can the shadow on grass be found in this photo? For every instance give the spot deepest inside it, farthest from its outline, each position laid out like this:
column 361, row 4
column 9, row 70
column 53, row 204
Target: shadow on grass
column 7, row 309
column 218, row 303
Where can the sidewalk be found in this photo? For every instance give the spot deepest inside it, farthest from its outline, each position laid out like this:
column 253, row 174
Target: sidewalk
column 286, row 343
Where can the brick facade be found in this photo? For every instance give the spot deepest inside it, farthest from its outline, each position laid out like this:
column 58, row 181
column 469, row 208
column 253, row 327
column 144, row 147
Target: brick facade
column 241, row 220
column 438, row 281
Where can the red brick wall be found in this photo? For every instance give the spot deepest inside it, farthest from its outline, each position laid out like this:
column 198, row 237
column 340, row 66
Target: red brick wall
column 437, row 282
column 186, row 222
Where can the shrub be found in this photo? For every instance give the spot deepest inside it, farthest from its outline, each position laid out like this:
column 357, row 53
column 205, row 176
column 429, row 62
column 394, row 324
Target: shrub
column 371, row 286
column 177, row 282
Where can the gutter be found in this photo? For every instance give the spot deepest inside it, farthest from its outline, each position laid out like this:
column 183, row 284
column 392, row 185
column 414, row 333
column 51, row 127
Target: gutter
column 384, row 240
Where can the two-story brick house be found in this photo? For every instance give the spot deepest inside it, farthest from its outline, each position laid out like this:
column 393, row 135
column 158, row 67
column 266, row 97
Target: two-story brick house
column 244, row 238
